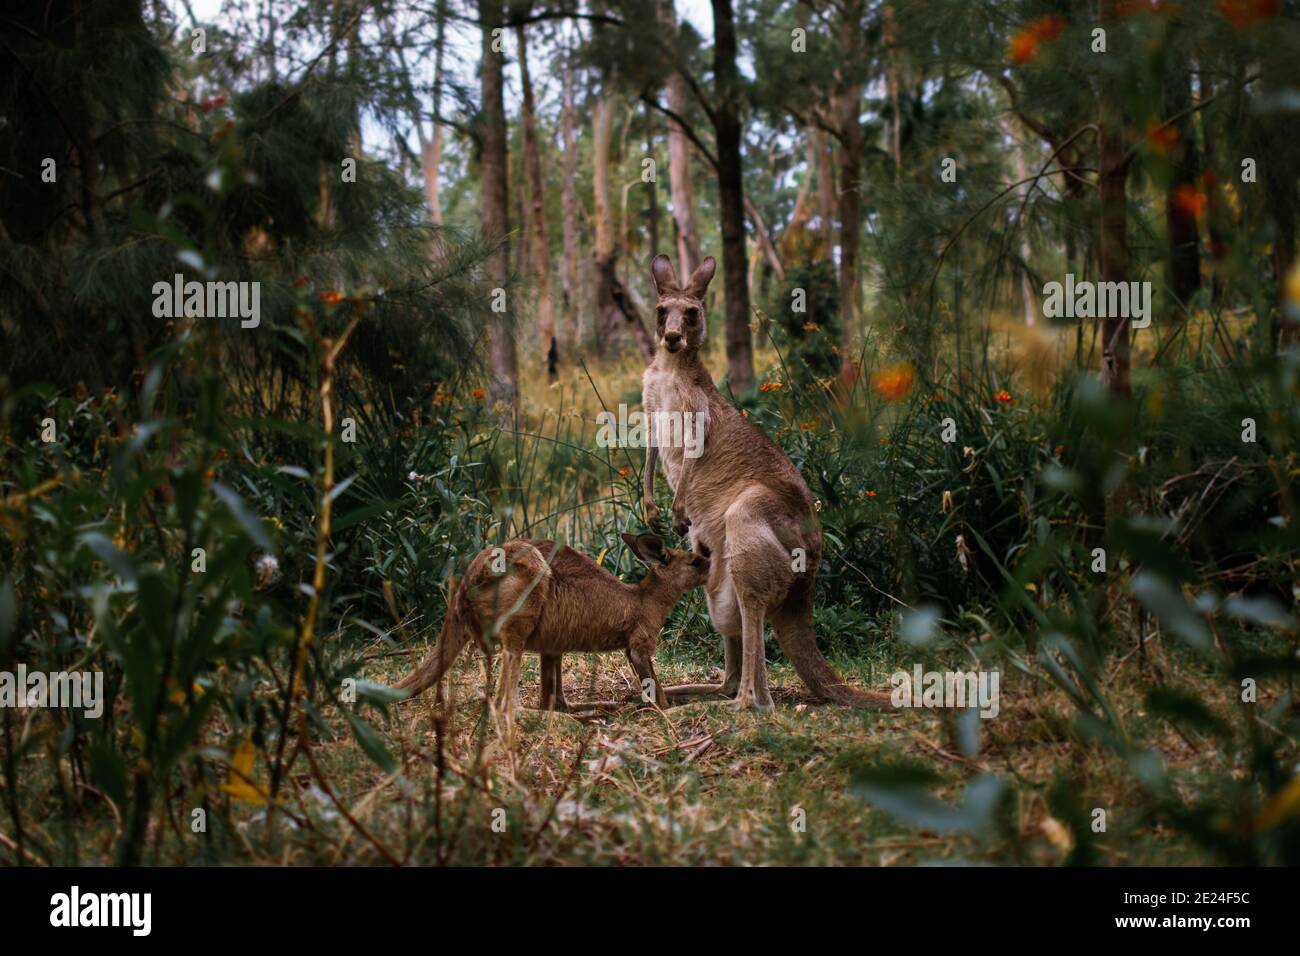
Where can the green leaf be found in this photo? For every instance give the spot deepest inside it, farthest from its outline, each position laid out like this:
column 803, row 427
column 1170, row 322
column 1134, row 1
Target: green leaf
column 371, row 744
column 973, row 812
column 118, row 561
column 249, row 521
column 1160, row 598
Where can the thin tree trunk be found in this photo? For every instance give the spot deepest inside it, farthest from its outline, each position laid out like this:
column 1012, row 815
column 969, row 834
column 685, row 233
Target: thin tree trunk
column 569, row 199
column 431, row 151
column 1181, row 231
column 679, row 164
column 494, row 208
column 602, row 117
column 825, row 187
column 892, row 86
column 654, row 186
column 1027, row 299
column 541, row 256
column 847, row 105
column 731, row 196
column 1113, row 225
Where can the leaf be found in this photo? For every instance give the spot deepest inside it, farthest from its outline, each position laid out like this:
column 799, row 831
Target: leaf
column 361, row 514
column 1285, row 803
column 973, row 812
column 341, row 487
column 1265, row 611
column 108, row 771
column 239, row 783
column 1167, row 604
column 379, row 693
column 230, row 498
column 371, row 744
column 118, row 561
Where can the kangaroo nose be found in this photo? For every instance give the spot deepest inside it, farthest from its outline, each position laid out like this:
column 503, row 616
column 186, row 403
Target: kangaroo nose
column 672, row 339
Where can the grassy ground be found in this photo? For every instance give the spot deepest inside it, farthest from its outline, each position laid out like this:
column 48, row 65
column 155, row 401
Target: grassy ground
column 704, row 784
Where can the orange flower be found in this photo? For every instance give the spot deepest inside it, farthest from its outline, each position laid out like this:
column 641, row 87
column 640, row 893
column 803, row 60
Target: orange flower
column 871, row 494
column 770, row 386
column 332, row 297
column 1242, row 14
column 1048, row 28
column 895, row 382
column 1190, row 201
column 479, row 394
column 1058, row 450
column 1023, row 48
column 1004, row 397
column 624, row 471
column 1025, row 42
column 1163, row 137
column 938, row 396
column 811, row 326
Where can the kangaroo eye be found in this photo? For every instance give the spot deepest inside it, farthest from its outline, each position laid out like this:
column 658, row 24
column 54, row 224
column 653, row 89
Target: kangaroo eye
column 693, row 314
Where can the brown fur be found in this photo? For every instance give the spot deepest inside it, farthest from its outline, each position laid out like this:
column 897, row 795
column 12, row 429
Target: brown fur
column 744, row 500
column 551, row 600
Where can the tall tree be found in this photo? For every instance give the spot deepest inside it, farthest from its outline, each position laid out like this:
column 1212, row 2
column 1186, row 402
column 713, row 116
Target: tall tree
column 541, row 254
column 679, row 161
column 731, row 200
column 569, row 204
column 1113, row 217
column 494, row 207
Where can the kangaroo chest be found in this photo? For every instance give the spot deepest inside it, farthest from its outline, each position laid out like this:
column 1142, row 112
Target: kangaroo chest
column 678, row 418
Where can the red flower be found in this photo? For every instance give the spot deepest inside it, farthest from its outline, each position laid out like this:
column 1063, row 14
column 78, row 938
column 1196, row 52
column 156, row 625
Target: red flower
column 1190, row 201
column 1023, row 48
column 332, row 298
column 479, row 394
column 1048, row 28
column 1242, row 14
column 1163, row 137
column 1004, row 398
column 212, row 102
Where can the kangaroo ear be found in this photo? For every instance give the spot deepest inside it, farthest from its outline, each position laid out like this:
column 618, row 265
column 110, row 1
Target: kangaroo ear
column 661, row 269
column 648, row 547
column 700, row 279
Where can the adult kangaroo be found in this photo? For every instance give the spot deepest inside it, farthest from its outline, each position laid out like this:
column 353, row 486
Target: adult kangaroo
column 742, row 499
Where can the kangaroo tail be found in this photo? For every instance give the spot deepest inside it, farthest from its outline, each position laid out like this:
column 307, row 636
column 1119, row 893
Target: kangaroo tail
column 453, row 637
column 793, row 624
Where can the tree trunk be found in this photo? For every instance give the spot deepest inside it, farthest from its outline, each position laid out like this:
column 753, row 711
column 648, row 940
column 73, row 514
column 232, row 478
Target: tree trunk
column 826, row 188
column 602, row 118
column 568, row 130
column 679, row 164
column 1113, row 225
column 847, row 105
column 1181, row 232
column 653, row 210
column 431, row 151
column 731, row 201
column 494, row 209
column 541, row 256
column 1027, row 299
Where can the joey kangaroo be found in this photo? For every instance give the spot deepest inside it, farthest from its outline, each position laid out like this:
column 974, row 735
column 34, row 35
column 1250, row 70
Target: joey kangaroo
column 551, row 600
column 743, row 500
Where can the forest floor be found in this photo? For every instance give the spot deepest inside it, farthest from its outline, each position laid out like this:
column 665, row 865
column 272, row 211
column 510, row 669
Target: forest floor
column 704, row 784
